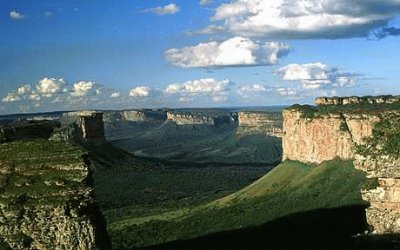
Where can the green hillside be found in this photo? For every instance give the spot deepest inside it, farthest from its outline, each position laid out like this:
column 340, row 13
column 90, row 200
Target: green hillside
column 290, row 188
column 203, row 144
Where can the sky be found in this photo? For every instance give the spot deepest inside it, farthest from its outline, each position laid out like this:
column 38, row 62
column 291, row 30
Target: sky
column 73, row 54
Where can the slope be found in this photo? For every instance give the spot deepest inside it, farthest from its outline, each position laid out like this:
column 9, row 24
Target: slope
column 290, row 188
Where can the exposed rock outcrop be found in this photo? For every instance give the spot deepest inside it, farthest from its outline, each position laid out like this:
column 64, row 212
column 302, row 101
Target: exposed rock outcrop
column 27, row 129
column 325, row 137
column 45, row 199
column 191, row 118
column 268, row 123
column 368, row 135
column 80, row 127
column 388, row 99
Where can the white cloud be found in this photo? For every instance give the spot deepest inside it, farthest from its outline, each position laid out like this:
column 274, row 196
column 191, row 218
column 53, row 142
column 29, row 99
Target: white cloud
column 236, row 51
column 247, row 91
column 49, row 86
column 216, row 89
column 287, row 91
column 16, row 15
column 165, row 10
column 23, row 90
column 85, row 88
column 115, row 94
column 140, row 91
column 317, row 75
column 34, row 97
column 206, row 85
column 205, row 2
column 11, row 97
column 220, row 98
column 306, row 18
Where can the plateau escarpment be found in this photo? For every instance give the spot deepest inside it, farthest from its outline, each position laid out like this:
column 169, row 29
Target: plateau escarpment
column 199, row 118
column 358, row 131
column 45, row 199
column 259, row 122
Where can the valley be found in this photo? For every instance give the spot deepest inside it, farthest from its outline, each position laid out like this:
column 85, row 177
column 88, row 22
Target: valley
column 162, row 179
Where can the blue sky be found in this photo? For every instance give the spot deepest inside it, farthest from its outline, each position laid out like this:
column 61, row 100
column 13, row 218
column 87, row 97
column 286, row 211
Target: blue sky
column 70, row 54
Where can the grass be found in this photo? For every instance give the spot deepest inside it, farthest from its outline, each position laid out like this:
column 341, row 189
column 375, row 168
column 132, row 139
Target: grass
column 363, row 108
column 291, row 187
column 204, row 145
column 40, row 172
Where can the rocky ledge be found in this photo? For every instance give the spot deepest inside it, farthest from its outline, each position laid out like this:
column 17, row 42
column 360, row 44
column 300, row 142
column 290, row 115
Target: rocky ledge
column 46, row 201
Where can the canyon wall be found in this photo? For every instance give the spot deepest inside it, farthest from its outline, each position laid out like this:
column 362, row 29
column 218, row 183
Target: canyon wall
column 268, row 123
column 326, row 137
column 387, row 99
column 45, row 199
column 82, row 127
column 315, row 135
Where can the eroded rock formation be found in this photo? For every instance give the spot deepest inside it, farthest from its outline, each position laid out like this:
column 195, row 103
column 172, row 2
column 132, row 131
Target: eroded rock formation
column 45, row 199
column 269, row 123
column 325, row 137
column 361, row 134
column 388, row 99
column 81, row 127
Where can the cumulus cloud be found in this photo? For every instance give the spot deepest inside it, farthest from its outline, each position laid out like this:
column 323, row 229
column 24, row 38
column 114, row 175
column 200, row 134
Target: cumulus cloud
column 140, row 91
column 216, row 89
column 307, row 18
column 16, row 15
column 165, row 10
column 85, row 88
column 287, row 91
column 24, row 89
column 317, row 75
column 49, row 86
column 115, row 94
column 11, row 97
column 34, row 97
column 247, row 91
column 236, row 51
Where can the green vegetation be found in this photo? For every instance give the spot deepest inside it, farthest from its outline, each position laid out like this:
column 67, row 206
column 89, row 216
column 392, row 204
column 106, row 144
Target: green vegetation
column 370, row 183
column 385, row 138
column 289, row 188
column 362, row 108
column 40, row 172
column 126, row 192
column 188, row 144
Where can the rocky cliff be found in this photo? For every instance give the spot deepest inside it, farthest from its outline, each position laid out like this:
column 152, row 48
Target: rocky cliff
column 268, row 123
column 387, row 99
column 46, row 201
column 189, row 119
column 369, row 134
column 81, row 127
column 325, row 137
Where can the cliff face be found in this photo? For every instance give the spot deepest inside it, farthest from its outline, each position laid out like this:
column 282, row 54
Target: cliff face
column 45, row 199
column 324, row 138
column 268, row 123
column 388, row 99
column 188, row 119
column 371, row 139
column 81, row 127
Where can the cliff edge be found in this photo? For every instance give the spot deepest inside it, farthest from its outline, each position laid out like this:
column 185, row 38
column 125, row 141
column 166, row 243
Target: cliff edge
column 46, row 201
column 366, row 131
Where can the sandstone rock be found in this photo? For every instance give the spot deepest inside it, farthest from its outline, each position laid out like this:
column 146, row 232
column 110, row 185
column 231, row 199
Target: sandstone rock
column 268, row 123
column 325, row 137
column 356, row 100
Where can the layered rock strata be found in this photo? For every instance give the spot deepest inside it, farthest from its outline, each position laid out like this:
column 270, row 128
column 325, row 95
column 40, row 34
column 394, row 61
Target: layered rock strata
column 45, row 199
column 268, row 123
